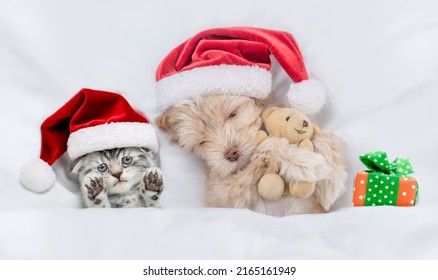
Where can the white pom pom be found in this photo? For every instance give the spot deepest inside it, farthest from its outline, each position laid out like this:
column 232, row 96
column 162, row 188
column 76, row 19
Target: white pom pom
column 37, row 176
column 307, row 96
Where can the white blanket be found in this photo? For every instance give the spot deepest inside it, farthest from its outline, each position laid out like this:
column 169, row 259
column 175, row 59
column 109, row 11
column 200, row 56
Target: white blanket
column 377, row 59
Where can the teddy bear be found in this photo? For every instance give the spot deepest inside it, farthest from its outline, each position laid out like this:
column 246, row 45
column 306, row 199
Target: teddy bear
column 295, row 126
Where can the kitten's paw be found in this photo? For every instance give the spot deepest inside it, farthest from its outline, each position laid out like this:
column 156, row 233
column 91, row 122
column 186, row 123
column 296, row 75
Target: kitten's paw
column 95, row 188
column 153, row 179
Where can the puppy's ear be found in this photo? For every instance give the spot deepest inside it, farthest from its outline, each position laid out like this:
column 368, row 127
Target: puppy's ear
column 266, row 113
column 261, row 102
column 163, row 120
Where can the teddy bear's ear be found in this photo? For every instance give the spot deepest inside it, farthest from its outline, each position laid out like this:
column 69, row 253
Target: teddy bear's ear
column 316, row 129
column 267, row 112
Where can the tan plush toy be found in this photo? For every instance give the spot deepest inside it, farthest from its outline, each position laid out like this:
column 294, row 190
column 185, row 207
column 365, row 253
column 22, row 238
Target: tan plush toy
column 298, row 129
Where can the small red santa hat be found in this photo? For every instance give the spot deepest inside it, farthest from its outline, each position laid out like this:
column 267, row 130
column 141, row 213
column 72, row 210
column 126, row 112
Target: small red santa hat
column 91, row 121
column 236, row 61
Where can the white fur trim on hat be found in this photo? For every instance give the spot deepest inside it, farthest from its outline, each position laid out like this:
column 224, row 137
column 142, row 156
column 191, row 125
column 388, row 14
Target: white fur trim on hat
column 251, row 81
column 110, row 136
column 37, row 176
column 307, row 96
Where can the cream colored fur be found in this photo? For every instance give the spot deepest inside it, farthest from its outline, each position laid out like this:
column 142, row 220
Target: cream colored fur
column 209, row 125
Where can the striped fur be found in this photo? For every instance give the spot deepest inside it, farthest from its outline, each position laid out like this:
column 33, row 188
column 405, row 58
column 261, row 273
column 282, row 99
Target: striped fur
column 118, row 178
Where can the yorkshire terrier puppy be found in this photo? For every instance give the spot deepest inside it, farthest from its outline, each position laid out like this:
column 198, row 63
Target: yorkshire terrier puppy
column 221, row 129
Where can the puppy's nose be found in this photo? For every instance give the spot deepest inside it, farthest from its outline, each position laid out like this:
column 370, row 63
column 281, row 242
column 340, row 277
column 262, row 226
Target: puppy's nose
column 231, row 154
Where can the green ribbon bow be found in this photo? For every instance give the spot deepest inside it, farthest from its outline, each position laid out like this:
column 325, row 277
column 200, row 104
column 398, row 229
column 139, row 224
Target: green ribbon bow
column 377, row 161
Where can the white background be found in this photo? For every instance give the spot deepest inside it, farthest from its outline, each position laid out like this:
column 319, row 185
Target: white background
column 377, row 59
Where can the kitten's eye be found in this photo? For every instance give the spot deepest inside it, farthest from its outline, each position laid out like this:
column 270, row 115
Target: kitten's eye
column 287, row 119
column 232, row 114
column 102, row 167
column 202, row 143
column 126, row 160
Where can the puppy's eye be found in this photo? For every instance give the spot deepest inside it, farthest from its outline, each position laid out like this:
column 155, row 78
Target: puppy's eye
column 232, row 114
column 102, row 168
column 202, row 143
column 126, row 160
column 287, row 119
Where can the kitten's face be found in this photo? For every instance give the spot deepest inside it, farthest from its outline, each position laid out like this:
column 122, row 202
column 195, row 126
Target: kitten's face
column 120, row 168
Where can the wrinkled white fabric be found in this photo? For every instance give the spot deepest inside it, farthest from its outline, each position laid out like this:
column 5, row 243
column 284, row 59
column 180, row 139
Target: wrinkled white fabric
column 377, row 59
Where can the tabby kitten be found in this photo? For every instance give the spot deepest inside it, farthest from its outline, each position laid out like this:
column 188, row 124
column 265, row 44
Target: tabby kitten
column 125, row 177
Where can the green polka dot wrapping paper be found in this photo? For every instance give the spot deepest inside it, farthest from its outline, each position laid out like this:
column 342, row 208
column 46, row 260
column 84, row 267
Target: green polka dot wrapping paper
column 384, row 183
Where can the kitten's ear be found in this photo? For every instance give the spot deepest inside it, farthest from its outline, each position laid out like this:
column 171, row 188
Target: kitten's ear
column 163, row 120
column 145, row 150
column 77, row 165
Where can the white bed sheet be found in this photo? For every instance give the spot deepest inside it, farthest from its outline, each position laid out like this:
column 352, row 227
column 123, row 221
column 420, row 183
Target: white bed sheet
column 378, row 60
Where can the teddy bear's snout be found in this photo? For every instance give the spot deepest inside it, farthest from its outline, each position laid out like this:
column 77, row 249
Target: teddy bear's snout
column 305, row 124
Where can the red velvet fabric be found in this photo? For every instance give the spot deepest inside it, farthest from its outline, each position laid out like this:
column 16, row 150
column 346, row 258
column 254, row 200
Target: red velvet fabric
column 244, row 46
column 87, row 108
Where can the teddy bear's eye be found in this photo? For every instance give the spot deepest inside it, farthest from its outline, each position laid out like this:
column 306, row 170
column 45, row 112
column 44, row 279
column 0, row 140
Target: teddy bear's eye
column 287, row 119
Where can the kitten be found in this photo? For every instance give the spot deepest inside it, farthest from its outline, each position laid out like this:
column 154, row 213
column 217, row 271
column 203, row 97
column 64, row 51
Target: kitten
column 124, row 177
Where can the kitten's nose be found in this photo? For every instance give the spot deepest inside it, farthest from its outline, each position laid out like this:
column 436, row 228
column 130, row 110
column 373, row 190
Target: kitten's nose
column 231, row 154
column 117, row 174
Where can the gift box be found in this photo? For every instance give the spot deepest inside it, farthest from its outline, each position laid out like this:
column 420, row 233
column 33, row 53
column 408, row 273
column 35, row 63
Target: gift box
column 385, row 183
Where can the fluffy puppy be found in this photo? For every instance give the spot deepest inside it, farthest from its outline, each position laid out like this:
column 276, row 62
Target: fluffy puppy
column 221, row 130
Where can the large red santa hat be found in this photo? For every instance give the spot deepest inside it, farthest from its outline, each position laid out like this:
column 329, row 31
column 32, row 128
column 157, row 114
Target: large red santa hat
column 236, row 61
column 91, row 121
